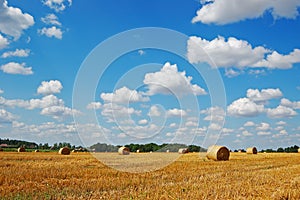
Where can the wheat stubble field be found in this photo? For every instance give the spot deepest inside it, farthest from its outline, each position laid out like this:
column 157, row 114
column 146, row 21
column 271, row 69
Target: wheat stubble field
column 81, row 176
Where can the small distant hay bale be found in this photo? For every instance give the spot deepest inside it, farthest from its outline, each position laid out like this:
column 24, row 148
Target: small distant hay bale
column 168, row 151
column 124, row 151
column 150, row 152
column 240, row 151
column 183, row 150
column 216, row 152
column 37, row 150
column 138, row 151
column 251, row 150
column 64, row 151
column 21, row 149
column 299, row 150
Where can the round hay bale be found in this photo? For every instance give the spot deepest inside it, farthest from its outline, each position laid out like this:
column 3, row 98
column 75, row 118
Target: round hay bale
column 216, row 152
column 251, row 150
column 183, row 150
column 37, row 150
column 168, row 151
column 124, row 151
column 299, row 150
column 138, row 151
column 21, row 149
column 64, row 151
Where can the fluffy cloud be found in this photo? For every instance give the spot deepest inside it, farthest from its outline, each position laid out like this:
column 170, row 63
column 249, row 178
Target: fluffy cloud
column 16, row 68
column 276, row 60
column 1, row 91
column 287, row 103
column 244, row 107
column 176, row 112
column 215, row 127
column 191, row 123
column 249, row 123
column 237, row 53
column 51, row 19
column 231, row 73
column 94, row 106
column 154, row 111
column 5, row 116
column 246, row 133
column 50, row 87
column 281, row 112
column 264, row 133
column 263, row 95
column 3, row 42
column 45, row 102
column 13, row 21
column 225, row 12
column 169, row 81
column 282, row 123
column 214, row 114
column 57, row 5
column 59, row 112
column 263, row 127
column 51, row 32
column 142, row 121
column 124, row 95
column 16, row 53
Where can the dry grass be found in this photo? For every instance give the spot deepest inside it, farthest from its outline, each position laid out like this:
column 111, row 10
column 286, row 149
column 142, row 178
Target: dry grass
column 81, row 176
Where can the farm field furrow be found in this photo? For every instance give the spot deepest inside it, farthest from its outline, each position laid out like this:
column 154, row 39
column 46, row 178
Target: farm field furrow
column 81, row 176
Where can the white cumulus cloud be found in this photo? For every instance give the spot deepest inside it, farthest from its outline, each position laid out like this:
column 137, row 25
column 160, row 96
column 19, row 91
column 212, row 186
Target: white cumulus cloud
column 232, row 52
column 13, row 21
column 249, row 123
column 287, row 103
column 142, row 121
column 94, row 106
column 176, row 112
column 5, row 116
column 170, row 81
column 16, row 53
column 154, row 111
column 51, row 32
column 57, row 5
column 16, row 68
column 123, row 96
column 244, row 107
column 50, row 87
column 281, row 112
column 3, row 42
column 263, row 126
column 59, row 112
column 263, row 95
column 224, row 12
column 51, row 19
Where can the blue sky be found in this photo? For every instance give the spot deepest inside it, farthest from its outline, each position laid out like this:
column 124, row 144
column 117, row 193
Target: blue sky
column 236, row 82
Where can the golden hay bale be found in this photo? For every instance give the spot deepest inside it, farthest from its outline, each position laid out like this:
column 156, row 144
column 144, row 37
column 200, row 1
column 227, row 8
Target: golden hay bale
column 21, row 149
column 299, row 150
column 216, row 152
column 64, row 151
column 37, row 150
column 138, row 151
column 168, row 151
column 124, row 151
column 251, row 150
column 183, row 150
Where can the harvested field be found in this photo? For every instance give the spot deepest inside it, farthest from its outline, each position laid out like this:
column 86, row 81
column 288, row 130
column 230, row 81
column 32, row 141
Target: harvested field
column 191, row 176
